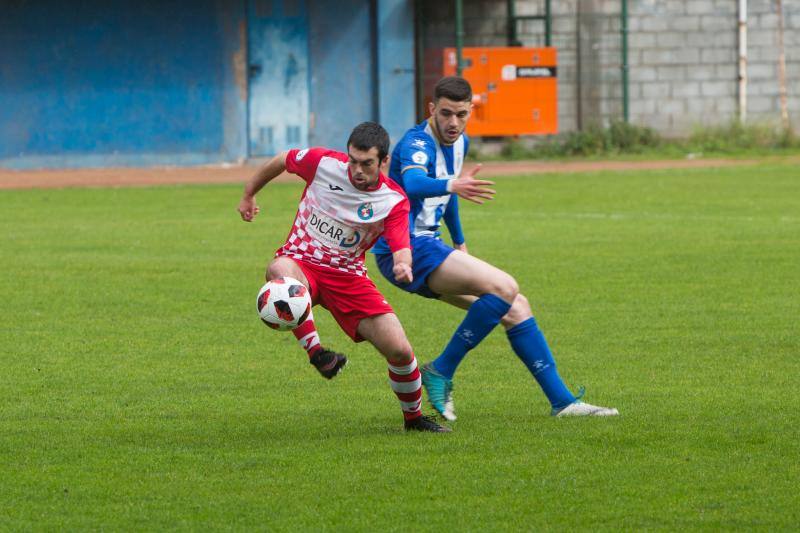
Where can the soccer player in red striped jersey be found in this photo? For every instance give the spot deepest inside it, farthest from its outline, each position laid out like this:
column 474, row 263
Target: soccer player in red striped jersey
column 346, row 205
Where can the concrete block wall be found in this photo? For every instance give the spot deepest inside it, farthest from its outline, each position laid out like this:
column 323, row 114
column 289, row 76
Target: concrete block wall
column 682, row 55
column 692, row 47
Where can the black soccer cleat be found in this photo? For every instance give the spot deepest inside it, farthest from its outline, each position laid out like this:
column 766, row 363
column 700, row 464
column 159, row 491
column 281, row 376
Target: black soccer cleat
column 328, row 363
column 426, row 423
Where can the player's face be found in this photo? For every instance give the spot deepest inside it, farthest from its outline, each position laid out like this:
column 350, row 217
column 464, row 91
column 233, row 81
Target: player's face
column 450, row 118
column 365, row 167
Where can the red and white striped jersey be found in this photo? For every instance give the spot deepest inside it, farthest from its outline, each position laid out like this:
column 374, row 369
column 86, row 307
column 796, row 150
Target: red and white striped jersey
column 336, row 223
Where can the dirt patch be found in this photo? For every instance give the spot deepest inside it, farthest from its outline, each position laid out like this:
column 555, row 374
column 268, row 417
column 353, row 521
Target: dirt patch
column 138, row 177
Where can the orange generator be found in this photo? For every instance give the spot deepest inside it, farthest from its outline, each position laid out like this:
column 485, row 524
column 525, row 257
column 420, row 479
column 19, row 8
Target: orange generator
column 515, row 89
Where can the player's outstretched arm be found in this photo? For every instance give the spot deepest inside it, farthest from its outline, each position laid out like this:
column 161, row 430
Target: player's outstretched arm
column 468, row 188
column 402, row 266
column 270, row 170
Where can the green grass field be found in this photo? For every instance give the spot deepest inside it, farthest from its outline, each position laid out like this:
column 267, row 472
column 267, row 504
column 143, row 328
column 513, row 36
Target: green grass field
column 139, row 391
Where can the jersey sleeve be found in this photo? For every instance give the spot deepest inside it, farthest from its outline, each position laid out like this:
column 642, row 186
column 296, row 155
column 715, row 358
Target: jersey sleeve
column 453, row 221
column 395, row 227
column 416, row 151
column 304, row 163
column 417, row 154
column 418, row 184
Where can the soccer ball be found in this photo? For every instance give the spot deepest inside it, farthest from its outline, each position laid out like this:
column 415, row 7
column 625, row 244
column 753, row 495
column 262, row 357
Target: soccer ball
column 283, row 303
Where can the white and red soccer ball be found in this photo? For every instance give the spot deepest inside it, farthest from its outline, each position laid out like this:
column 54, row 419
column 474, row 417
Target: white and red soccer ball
column 283, row 303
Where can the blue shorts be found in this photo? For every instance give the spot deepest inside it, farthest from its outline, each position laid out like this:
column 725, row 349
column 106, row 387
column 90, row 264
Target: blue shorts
column 427, row 254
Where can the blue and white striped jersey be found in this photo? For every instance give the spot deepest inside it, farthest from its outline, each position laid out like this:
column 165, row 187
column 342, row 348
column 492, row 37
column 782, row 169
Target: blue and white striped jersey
column 430, row 202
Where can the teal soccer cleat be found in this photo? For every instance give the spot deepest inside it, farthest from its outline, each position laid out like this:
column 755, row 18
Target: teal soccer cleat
column 440, row 391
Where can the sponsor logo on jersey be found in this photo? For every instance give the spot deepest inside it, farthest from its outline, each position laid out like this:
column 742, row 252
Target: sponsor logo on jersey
column 301, row 154
column 332, row 232
column 365, row 211
column 334, row 187
column 352, row 240
column 419, row 143
column 419, row 158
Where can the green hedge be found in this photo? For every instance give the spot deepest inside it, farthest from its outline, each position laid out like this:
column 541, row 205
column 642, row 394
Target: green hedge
column 621, row 138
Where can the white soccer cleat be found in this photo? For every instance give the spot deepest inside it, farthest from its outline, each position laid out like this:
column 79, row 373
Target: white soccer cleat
column 449, row 412
column 580, row 408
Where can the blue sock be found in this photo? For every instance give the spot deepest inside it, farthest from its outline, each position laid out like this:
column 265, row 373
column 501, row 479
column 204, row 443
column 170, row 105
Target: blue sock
column 482, row 316
column 529, row 344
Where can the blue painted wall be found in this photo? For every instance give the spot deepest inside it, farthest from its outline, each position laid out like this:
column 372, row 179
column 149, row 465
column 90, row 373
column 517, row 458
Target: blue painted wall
column 112, row 82
column 341, row 52
column 362, row 64
column 279, row 72
column 395, row 64
column 124, row 82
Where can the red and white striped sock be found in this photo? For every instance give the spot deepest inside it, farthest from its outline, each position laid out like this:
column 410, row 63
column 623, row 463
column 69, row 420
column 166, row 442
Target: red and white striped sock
column 306, row 334
column 406, row 383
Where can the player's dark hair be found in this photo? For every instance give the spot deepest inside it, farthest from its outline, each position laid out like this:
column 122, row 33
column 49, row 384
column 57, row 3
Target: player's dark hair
column 453, row 88
column 370, row 135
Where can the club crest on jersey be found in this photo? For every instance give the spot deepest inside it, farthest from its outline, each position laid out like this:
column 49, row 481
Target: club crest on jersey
column 365, row 211
column 301, row 154
column 419, row 158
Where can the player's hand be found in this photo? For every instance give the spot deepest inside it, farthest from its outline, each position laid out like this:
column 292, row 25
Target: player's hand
column 468, row 188
column 402, row 273
column 248, row 208
column 461, row 247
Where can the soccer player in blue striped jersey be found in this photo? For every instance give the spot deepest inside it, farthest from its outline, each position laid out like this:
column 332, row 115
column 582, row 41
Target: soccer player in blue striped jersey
column 427, row 163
